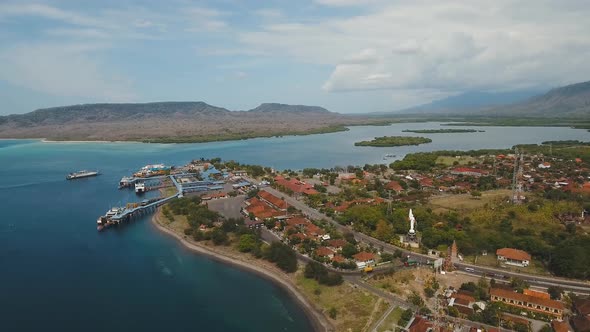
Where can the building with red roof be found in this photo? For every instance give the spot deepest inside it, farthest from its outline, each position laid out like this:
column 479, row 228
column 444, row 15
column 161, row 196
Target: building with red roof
column 394, row 185
column 468, row 171
column 513, row 256
column 532, row 303
column 324, row 252
column 273, row 200
column 420, row 324
column 295, row 186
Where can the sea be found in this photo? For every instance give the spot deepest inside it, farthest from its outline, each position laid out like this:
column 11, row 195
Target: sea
column 57, row 273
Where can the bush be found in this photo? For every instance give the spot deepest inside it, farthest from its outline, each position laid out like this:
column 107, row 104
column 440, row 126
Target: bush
column 188, row 231
column 219, row 237
column 332, row 313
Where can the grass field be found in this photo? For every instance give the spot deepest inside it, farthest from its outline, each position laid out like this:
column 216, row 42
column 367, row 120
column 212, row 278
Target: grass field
column 450, row 161
column 391, row 321
column 356, row 309
column 464, row 202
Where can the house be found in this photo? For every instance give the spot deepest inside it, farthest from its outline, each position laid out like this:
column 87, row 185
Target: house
column 394, row 185
column 550, row 307
column 420, row 324
column 324, row 252
column 336, row 244
column 364, row 259
column 560, row 326
column 541, row 295
column 544, row 165
column 273, row 200
column 239, row 173
column 468, row 171
column 512, row 256
column 582, row 306
column 296, row 186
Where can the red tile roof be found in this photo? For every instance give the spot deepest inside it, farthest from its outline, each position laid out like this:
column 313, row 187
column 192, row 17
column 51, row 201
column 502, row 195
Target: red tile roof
column 323, row 252
column 420, row 324
column 514, row 254
column 525, row 298
column 560, row 326
column 394, row 185
column 272, row 199
column 364, row 256
column 337, row 243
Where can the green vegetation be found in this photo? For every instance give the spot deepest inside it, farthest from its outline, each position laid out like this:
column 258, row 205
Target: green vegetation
column 317, row 271
column 387, row 141
column 243, row 136
column 441, row 131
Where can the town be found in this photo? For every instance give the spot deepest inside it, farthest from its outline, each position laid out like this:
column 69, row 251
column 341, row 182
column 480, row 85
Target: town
column 483, row 239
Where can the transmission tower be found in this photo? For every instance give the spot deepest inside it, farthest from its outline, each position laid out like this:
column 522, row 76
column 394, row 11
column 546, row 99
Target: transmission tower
column 517, row 176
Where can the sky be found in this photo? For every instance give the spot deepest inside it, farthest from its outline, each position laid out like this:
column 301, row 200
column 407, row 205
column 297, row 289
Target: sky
column 350, row 56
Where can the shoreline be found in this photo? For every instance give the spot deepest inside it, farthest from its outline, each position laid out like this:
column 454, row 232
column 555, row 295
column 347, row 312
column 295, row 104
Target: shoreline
column 316, row 318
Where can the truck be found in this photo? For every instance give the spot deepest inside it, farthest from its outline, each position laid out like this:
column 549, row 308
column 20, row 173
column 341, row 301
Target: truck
column 368, row 269
column 411, row 262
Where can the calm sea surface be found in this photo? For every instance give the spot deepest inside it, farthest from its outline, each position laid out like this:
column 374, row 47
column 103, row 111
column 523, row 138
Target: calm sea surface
column 58, row 274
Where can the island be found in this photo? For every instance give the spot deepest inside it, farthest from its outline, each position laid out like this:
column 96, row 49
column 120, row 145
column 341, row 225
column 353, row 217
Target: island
column 442, row 131
column 387, row 141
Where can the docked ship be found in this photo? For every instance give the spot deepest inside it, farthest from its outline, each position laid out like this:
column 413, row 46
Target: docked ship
column 106, row 220
column 139, row 188
column 81, row 174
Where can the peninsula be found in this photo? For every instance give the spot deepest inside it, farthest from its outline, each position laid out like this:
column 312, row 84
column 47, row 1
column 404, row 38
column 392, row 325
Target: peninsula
column 387, row 141
column 441, row 131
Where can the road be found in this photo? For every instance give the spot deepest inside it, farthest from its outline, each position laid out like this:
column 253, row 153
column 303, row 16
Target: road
column 567, row 284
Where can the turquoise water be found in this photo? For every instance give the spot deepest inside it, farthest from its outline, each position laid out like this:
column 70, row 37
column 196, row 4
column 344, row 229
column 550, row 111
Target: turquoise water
column 58, row 273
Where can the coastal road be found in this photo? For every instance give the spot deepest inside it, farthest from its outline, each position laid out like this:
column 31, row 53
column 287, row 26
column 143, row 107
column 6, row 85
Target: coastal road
column 567, row 284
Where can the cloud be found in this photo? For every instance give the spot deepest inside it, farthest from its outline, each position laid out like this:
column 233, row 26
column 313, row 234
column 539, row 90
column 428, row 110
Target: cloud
column 48, row 12
column 202, row 19
column 63, row 70
column 444, row 47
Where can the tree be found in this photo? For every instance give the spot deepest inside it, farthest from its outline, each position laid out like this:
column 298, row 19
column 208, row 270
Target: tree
column 429, row 292
column 405, row 317
column 383, row 231
column 247, row 243
column 555, row 292
column 519, row 284
column 283, row 256
column 453, row 312
column 218, row 236
column 349, row 250
column 416, row 299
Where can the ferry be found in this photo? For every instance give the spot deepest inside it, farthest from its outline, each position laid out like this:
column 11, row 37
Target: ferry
column 126, row 181
column 81, row 174
column 105, row 221
column 140, row 188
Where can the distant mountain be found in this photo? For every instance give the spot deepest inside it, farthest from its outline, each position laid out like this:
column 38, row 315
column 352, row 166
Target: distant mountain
column 274, row 107
column 571, row 101
column 195, row 121
column 469, row 102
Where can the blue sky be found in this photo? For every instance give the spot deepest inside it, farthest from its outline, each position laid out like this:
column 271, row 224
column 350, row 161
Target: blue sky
column 348, row 56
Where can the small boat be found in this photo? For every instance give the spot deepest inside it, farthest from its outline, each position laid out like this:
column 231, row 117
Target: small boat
column 81, row 174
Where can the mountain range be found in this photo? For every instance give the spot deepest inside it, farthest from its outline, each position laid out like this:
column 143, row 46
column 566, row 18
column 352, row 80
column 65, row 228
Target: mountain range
column 199, row 121
column 571, row 101
column 170, row 121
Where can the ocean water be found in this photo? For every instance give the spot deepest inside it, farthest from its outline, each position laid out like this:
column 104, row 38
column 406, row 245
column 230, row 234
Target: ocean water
column 58, row 273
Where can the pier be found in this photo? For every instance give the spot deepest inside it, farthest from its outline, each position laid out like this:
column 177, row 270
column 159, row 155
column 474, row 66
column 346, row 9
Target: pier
column 129, row 213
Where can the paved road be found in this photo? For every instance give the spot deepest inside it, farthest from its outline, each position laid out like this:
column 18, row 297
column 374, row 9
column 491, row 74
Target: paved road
column 567, row 284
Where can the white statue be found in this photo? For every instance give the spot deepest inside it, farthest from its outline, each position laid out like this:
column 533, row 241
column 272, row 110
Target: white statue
column 412, row 223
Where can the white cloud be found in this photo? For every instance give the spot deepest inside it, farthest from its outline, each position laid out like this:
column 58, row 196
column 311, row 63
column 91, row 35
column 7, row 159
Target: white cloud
column 63, row 70
column 440, row 46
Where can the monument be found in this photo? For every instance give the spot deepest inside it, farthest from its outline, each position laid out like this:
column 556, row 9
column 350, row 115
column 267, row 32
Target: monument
column 412, row 231
column 411, row 239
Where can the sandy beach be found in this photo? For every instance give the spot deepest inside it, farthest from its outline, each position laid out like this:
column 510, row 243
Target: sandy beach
column 318, row 320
